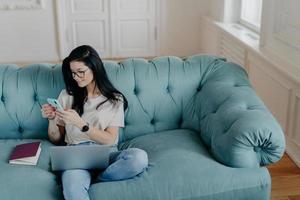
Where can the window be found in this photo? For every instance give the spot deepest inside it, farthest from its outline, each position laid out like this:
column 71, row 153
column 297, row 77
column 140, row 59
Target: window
column 251, row 14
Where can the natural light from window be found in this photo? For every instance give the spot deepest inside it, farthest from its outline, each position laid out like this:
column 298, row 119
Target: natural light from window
column 251, row 14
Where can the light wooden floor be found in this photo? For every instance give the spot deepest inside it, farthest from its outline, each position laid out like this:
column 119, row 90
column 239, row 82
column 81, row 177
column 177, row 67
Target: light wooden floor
column 285, row 180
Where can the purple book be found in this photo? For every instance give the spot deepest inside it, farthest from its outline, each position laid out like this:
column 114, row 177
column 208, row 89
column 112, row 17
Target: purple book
column 27, row 153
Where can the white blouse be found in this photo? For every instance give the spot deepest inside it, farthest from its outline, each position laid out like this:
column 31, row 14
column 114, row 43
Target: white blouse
column 107, row 115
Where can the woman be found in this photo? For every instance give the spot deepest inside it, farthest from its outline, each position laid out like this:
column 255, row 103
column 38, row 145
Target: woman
column 93, row 112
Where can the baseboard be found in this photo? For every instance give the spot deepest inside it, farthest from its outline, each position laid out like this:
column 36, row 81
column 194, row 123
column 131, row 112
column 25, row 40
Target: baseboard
column 293, row 150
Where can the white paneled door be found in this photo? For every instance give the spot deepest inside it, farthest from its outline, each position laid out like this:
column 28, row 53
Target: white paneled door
column 87, row 22
column 115, row 28
column 133, row 27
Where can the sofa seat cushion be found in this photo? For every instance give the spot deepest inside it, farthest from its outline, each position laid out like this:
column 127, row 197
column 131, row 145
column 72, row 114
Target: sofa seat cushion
column 24, row 181
column 180, row 167
column 27, row 183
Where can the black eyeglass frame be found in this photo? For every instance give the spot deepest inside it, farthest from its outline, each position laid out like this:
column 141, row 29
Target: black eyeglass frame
column 79, row 74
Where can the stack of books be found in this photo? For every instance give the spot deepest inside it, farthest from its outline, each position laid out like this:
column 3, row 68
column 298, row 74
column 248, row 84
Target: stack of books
column 26, row 154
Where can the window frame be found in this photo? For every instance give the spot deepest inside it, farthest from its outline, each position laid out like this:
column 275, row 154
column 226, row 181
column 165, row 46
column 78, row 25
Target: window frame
column 247, row 24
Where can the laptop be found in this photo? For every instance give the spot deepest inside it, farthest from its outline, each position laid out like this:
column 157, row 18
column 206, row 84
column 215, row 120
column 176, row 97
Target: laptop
column 80, row 157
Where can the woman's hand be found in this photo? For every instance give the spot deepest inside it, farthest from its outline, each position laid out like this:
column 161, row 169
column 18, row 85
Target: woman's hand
column 70, row 116
column 48, row 111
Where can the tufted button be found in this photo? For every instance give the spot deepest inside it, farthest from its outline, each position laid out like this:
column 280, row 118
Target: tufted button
column 152, row 121
column 226, row 130
column 135, row 91
column 238, row 85
column 198, row 89
column 35, row 97
column 250, row 107
column 21, row 130
column 2, row 98
column 168, row 89
column 180, row 121
column 257, row 149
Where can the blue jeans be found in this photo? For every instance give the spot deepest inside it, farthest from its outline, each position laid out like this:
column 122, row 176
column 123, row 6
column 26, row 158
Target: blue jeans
column 123, row 165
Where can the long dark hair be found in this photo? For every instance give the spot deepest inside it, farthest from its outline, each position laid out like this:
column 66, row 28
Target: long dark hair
column 91, row 59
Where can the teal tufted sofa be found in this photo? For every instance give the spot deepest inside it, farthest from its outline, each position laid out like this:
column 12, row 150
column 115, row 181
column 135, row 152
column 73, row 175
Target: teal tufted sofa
column 207, row 134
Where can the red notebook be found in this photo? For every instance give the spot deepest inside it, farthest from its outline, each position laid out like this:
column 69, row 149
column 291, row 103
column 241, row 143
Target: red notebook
column 26, row 154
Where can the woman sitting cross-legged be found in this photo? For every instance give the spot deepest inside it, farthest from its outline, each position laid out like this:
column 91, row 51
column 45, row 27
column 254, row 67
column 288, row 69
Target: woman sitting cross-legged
column 93, row 112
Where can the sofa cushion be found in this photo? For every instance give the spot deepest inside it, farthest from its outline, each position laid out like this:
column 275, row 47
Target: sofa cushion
column 180, row 167
column 27, row 182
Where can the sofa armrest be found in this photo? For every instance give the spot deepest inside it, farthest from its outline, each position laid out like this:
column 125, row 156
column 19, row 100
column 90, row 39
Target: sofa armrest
column 251, row 141
column 234, row 123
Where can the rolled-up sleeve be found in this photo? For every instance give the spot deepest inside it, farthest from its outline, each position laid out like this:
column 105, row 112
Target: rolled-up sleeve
column 118, row 118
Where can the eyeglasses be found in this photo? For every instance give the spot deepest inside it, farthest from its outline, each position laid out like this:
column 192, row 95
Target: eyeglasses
column 79, row 74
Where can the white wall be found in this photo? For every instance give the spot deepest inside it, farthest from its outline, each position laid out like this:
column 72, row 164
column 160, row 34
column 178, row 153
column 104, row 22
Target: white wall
column 209, row 37
column 31, row 35
column 224, row 10
column 216, row 9
column 209, row 33
column 220, row 11
column 28, row 35
column 181, row 27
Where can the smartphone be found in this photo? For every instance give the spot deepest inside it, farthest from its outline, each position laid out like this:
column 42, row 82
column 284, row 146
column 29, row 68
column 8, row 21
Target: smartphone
column 55, row 103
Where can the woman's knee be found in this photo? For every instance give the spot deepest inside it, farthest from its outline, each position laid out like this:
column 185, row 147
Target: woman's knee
column 139, row 158
column 129, row 163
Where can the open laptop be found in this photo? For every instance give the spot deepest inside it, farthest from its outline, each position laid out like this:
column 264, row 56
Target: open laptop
column 80, row 157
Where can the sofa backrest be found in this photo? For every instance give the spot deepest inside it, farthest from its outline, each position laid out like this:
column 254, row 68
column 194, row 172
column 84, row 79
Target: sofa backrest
column 161, row 94
column 22, row 92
